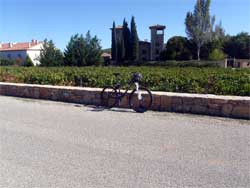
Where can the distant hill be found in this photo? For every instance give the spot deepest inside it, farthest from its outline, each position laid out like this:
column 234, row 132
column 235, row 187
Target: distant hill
column 108, row 50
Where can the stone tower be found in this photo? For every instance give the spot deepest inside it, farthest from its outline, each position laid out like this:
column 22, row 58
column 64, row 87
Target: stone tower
column 157, row 41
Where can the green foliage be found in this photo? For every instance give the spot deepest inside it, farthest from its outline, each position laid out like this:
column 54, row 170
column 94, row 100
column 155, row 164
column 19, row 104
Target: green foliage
column 216, row 54
column 184, row 80
column 28, row 62
column 50, row 56
column 134, row 41
column 75, row 53
column 114, row 45
column 83, row 51
column 126, row 37
column 177, row 48
column 93, row 50
column 199, row 24
column 120, row 52
column 238, row 46
column 6, row 62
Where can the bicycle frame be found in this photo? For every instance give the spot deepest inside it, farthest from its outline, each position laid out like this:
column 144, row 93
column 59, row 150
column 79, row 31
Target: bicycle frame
column 120, row 94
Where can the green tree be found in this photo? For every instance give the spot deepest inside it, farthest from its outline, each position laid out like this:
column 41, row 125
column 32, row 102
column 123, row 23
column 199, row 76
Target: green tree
column 50, row 55
column 75, row 53
column 120, row 52
column 93, row 50
column 177, row 48
column 238, row 46
column 217, row 41
column 199, row 24
column 126, row 38
column 219, row 32
column 114, row 45
column 134, row 41
column 28, row 62
column 83, row 51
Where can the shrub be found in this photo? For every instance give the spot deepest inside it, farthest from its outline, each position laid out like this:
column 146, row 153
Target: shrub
column 189, row 80
column 216, row 55
column 6, row 62
column 28, row 62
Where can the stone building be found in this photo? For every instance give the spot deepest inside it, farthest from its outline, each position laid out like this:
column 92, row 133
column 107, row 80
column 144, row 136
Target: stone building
column 148, row 51
column 144, row 51
column 237, row 63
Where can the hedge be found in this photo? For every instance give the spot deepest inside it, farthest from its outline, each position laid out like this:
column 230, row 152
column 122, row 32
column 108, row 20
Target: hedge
column 218, row 81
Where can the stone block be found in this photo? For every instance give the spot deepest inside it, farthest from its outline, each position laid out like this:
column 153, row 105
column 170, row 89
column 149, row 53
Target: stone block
column 176, row 101
column 166, row 103
column 177, row 108
column 188, row 100
column 227, row 109
column 198, row 109
column 241, row 112
column 156, row 105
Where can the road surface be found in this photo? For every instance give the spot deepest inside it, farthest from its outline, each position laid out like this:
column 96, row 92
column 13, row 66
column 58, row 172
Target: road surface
column 49, row 144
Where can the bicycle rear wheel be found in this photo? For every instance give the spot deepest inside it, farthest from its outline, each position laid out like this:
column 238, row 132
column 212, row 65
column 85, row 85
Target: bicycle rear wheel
column 141, row 100
column 108, row 97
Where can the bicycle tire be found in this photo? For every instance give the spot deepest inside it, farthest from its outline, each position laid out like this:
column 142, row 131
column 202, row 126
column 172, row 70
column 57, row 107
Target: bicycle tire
column 143, row 104
column 108, row 97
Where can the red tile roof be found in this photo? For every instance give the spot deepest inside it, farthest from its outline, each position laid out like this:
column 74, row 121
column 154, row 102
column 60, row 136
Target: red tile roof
column 18, row 46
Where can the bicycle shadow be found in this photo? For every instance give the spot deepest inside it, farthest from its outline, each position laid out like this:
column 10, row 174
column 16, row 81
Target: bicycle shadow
column 101, row 109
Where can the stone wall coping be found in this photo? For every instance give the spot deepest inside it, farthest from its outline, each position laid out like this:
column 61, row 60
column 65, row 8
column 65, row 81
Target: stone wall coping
column 158, row 93
column 207, row 96
column 51, row 86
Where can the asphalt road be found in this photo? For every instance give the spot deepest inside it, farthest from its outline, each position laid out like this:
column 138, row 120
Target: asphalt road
column 48, row 144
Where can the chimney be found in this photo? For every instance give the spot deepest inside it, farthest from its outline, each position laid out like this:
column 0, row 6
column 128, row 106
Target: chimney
column 34, row 41
column 10, row 45
column 0, row 45
column 29, row 45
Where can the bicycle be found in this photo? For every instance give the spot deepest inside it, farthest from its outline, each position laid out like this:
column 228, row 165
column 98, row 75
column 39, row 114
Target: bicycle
column 140, row 99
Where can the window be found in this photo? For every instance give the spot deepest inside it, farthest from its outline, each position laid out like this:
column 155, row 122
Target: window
column 159, row 32
column 144, row 52
column 157, row 44
column 157, row 52
column 9, row 56
column 19, row 56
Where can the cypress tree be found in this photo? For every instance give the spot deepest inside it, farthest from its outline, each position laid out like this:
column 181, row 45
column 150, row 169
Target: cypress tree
column 134, row 40
column 114, row 45
column 126, row 38
column 120, row 52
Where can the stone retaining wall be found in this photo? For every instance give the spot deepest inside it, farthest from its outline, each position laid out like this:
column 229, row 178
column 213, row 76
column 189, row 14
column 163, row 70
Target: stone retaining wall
column 227, row 106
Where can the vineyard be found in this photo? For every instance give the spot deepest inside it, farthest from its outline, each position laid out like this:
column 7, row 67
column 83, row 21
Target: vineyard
column 183, row 80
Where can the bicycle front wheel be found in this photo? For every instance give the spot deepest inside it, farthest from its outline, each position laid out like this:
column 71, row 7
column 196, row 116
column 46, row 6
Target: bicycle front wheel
column 108, row 97
column 141, row 100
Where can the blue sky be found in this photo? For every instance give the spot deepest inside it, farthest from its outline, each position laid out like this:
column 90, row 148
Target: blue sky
column 23, row 20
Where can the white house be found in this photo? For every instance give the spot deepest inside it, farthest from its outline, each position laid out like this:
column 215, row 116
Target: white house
column 21, row 50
